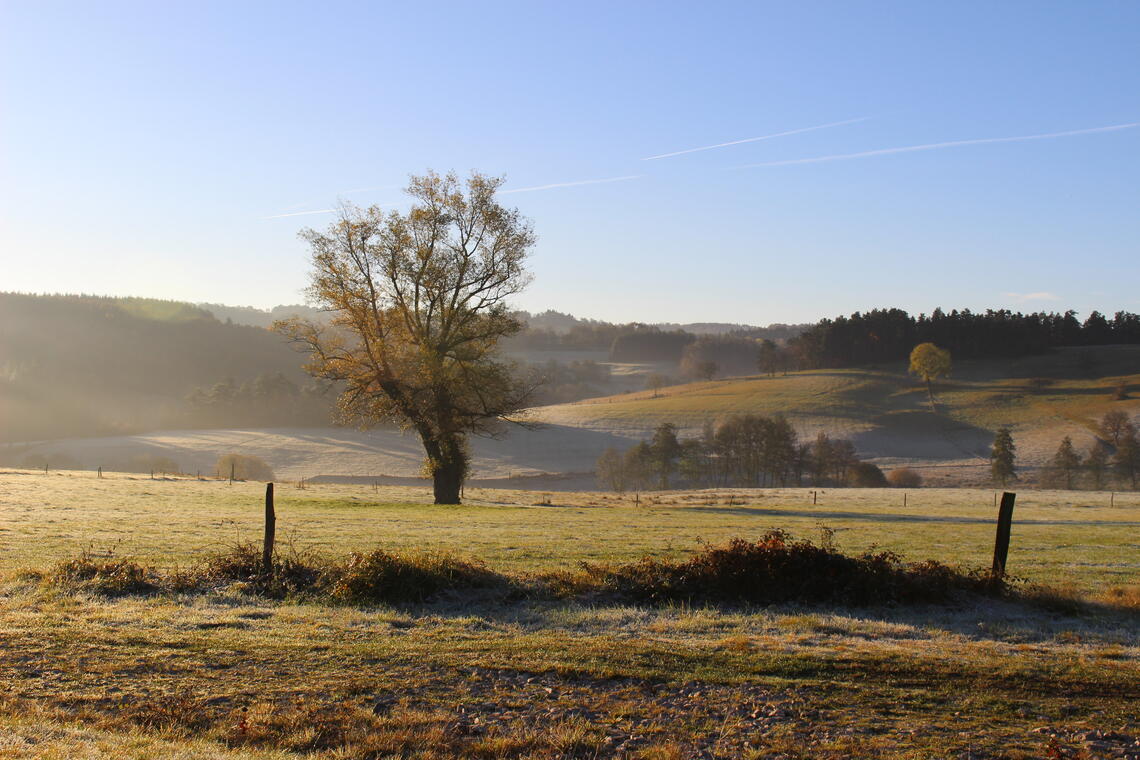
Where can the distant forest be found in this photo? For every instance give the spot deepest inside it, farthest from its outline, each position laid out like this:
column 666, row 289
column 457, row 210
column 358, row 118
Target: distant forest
column 88, row 365
column 886, row 335
column 874, row 337
column 78, row 365
column 635, row 341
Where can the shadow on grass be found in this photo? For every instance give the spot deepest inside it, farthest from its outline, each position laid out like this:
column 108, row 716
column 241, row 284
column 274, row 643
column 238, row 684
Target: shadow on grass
column 895, row 516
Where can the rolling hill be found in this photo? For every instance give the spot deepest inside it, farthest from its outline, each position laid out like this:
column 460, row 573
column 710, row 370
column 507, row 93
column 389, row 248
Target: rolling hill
column 886, row 413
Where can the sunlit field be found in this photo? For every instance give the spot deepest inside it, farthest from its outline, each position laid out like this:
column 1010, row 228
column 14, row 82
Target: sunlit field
column 229, row 673
column 1076, row 538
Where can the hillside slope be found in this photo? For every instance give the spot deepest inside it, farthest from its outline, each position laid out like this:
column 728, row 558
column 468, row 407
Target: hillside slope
column 85, row 365
column 886, row 412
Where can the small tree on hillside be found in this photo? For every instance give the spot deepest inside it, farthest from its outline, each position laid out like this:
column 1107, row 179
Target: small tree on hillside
column 768, row 357
column 1127, row 459
column 638, row 467
column 821, row 459
column 843, row 458
column 1096, row 465
column 929, row 362
column 655, row 382
column 666, row 448
column 1113, row 424
column 1002, row 468
column 611, row 470
column 1064, row 466
column 694, row 463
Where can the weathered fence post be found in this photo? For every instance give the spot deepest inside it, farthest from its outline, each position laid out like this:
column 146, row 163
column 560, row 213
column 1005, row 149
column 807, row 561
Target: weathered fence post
column 270, row 531
column 1001, row 542
column 233, row 466
column 100, row 471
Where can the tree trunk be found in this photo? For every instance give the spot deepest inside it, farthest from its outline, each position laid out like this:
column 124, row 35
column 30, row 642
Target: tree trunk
column 448, row 480
column 930, row 395
column 447, row 461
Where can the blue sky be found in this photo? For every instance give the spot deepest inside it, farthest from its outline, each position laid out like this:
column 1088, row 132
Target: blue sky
column 156, row 148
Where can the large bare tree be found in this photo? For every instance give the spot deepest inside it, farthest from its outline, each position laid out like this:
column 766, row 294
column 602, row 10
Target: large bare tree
column 418, row 304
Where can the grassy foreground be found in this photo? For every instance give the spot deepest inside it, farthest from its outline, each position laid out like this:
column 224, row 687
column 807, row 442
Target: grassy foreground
column 227, row 674
column 1071, row 538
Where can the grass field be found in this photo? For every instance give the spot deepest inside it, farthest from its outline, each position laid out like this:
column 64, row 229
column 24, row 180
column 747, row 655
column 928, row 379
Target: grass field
column 230, row 674
column 1060, row 537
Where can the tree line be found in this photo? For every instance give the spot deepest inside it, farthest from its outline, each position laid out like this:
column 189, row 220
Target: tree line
column 634, row 341
column 884, row 335
column 879, row 335
column 269, row 399
column 748, row 450
column 1113, row 458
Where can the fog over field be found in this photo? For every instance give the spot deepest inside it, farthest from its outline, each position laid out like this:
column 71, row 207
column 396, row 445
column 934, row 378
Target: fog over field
column 569, row 381
column 139, row 385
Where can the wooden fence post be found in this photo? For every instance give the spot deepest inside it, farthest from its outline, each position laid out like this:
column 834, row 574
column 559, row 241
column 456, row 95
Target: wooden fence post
column 1001, row 542
column 270, row 531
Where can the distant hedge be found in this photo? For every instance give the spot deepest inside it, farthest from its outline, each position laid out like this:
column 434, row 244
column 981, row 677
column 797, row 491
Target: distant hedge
column 244, row 467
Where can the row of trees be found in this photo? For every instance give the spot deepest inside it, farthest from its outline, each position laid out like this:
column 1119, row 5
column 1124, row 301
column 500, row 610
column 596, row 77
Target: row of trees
column 552, row 330
column 883, row 335
column 558, row 382
column 748, row 450
column 1113, row 458
column 86, row 366
column 271, row 398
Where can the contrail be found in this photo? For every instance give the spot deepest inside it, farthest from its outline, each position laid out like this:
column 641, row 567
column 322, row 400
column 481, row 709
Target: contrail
column 755, row 139
column 368, row 189
column 936, row 146
column 301, row 213
column 572, row 184
column 1039, row 296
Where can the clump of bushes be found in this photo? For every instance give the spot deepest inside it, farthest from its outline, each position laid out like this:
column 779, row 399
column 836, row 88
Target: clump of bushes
column 776, row 569
column 148, row 463
column 104, row 575
column 904, row 477
column 292, row 573
column 379, row 576
column 53, row 459
column 243, row 467
column 865, row 475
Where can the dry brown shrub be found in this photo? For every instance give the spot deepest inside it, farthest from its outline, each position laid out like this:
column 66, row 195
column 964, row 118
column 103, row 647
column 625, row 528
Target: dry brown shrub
column 904, row 477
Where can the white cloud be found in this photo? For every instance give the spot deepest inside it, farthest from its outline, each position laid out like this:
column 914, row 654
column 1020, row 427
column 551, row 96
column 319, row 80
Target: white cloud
column 1043, row 295
column 936, row 146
